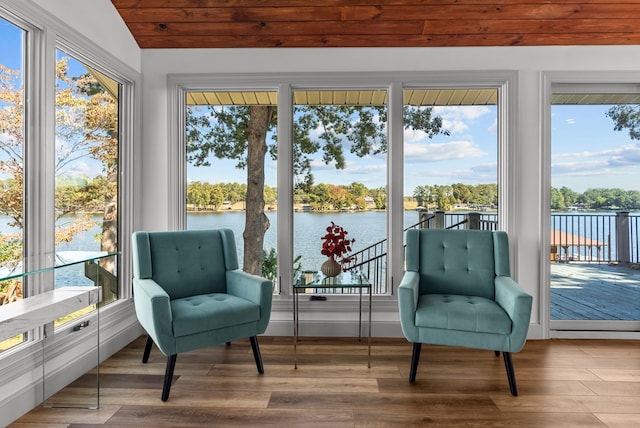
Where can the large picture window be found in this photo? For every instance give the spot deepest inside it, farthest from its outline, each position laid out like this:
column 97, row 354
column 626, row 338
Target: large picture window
column 595, row 207
column 347, row 152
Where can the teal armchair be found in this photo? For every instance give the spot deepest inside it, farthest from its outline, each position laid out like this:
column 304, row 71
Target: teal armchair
column 189, row 293
column 457, row 291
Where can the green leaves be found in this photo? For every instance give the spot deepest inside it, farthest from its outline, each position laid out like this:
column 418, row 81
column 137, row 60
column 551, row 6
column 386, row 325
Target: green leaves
column 626, row 117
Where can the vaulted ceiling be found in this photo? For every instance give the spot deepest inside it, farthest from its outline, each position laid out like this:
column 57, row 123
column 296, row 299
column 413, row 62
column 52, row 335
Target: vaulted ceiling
column 381, row 23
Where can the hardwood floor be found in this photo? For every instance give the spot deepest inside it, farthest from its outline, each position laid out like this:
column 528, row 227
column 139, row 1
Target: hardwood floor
column 562, row 383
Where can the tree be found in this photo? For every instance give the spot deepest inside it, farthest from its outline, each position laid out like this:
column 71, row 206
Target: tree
column 570, row 197
column 86, row 125
column 557, row 199
column 240, row 133
column 626, row 116
column 462, row 192
column 420, row 193
column 11, row 161
column 216, row 196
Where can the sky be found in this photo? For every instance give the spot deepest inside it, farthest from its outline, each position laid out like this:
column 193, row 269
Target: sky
column 468, row 155
column 586, row 151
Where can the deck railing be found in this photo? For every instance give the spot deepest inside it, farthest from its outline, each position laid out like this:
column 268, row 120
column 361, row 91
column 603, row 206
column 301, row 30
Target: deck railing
column 596, row 238
column 583, row 237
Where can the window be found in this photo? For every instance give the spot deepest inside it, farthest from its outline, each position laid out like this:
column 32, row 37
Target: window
column 231, row 174
column 86, row 174
column 594, row 204
column 12, row 135
column 340, row 177
column 350, row 121
column 451, row 157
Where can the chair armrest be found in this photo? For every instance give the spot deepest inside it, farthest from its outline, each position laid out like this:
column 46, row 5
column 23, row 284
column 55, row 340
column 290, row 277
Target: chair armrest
column 517, row 304
column 408, row 294
column 254, row 288
column 153, row 311
column 251, row 287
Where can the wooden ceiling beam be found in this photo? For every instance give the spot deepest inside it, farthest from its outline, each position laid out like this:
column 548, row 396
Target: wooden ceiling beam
column 366, row 13
column 458, row 27
column 448, row 40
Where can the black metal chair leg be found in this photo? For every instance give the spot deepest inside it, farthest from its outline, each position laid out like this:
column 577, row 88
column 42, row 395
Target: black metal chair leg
column 415, row 357
column 497, row 353
column 147, row 349
column 168, row 376
column 256, row 354
column 511, row 375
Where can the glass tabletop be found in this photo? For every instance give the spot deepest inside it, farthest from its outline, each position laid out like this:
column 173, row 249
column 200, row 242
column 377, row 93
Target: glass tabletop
column 316, row 279
column 49, row 261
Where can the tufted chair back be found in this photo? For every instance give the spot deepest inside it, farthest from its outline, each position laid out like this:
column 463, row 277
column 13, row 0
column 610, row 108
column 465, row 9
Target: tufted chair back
column 463, row 262
column 186, row 263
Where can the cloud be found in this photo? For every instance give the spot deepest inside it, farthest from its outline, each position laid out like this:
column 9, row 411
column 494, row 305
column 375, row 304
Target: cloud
column 483, row 173
column 354, row 168
column 493, row 128
column 461, row 112
column 455, row 119
column 78, row 169
column 570, row 121
column 611, row 161
column 435, row 152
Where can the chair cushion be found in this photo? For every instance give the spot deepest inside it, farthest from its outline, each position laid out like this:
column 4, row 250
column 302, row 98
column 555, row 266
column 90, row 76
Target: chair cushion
column 207, row 312
column 465, row 313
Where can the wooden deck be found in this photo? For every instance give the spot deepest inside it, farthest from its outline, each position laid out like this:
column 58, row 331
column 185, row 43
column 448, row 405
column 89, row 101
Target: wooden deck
column 582, row 291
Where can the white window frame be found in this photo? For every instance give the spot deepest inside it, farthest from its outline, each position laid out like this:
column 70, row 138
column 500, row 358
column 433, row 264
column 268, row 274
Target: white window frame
column 394, row 83
column 574, row 82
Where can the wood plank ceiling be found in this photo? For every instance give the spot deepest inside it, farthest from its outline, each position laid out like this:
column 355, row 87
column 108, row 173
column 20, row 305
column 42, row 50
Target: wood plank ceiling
column 382, row 23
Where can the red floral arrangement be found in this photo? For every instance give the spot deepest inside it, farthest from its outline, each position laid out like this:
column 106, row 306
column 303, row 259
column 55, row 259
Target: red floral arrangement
column 335, row 244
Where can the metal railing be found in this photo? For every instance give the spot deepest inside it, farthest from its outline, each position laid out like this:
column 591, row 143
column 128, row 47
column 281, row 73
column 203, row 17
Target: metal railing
column 584, row 237
column 595, row 237
column 372, row 261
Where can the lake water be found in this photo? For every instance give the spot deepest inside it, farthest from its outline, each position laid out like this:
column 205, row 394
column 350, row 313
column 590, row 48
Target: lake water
column 366, row 227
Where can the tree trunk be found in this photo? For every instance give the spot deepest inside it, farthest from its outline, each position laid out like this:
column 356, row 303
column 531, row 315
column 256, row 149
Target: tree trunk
column 256, row 222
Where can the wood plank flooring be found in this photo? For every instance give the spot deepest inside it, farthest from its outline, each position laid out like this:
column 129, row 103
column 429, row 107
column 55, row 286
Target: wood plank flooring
column 562, row 383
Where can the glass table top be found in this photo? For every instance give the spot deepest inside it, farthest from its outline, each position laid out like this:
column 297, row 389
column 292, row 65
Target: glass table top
column 316, row 279
column 49, row 261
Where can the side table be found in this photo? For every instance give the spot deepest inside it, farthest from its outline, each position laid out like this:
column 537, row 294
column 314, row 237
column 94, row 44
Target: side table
column 311, row 281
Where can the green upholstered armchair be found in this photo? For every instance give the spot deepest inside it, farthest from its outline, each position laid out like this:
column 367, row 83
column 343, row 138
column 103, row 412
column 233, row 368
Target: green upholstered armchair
column 189, row 293
column 457, row 291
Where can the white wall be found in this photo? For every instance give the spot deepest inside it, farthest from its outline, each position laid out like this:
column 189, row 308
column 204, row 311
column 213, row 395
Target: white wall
column 528, row 211
column 98, row 21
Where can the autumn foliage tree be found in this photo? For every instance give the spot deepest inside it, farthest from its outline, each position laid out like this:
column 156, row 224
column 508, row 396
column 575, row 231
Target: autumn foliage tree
column 86, row 126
